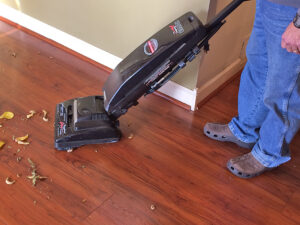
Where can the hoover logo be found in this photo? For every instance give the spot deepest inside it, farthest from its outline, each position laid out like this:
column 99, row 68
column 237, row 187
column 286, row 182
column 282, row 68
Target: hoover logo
column 177, row 28
column 151, row 46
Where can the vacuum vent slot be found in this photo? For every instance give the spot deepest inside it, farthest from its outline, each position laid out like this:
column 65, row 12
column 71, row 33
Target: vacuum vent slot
column 100, row 116
column 69, row 115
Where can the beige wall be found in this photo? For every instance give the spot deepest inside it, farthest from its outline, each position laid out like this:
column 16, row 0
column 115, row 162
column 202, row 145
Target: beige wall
column 228, row 45
column 116, row 26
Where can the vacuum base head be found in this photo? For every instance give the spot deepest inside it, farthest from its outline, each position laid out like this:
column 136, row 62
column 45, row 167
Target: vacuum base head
column 83, row 121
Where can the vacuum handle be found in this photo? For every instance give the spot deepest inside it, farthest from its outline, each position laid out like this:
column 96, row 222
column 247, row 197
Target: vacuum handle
column 223, row 14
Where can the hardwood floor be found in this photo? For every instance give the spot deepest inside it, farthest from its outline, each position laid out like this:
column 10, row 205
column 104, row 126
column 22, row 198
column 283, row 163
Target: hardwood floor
column 169, row 173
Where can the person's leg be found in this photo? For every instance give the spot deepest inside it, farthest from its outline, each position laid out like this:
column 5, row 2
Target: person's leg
column 243, row 129
column 251, row 109
column 282, row 96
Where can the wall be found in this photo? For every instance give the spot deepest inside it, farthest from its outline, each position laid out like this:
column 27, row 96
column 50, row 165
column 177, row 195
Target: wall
column 116, row 26
column 227, row 48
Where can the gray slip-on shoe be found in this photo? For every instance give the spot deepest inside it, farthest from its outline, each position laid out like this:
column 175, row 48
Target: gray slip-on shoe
column 221, row 132
column 246, row 166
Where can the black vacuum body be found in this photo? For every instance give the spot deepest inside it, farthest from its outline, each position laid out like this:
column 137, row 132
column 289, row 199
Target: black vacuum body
column 83, row 121
column 143, row 69
column 94, row 119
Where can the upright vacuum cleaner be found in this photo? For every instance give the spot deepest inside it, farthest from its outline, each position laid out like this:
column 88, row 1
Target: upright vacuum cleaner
column 94, row 119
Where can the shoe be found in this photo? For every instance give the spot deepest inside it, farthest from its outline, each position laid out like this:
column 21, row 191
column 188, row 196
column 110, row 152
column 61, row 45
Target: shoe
column 221, row 132
column 246, row 166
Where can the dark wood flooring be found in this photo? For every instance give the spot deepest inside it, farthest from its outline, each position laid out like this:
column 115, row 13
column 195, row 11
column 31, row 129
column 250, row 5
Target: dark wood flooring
column 168, row 164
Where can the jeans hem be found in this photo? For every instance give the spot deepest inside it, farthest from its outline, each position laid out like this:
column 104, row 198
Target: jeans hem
column 268, row 163
column 233, row 131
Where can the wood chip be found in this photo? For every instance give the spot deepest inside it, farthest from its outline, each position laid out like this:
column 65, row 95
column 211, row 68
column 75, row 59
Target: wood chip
column 9, row 181
column 152, row 207
column 34, row 175
column 45, row 116
column 32, row 164
column 7, row 115
column 22, row 140
column 2, row 143
column 130, row 136
column 19, row 159
column 31, row 113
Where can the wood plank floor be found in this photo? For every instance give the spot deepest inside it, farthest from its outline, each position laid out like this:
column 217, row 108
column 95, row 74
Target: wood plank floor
column 168, row 164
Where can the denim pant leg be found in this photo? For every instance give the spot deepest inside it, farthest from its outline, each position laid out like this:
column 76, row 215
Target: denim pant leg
column 281, row 96
column 251, row 109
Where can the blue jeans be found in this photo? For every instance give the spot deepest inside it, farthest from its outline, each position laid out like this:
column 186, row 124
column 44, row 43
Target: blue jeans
column 269, row 95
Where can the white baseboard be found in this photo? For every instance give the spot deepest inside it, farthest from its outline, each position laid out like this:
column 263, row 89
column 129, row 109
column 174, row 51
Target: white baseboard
column 180, row 93
column 59, row 36
column 213, row 84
